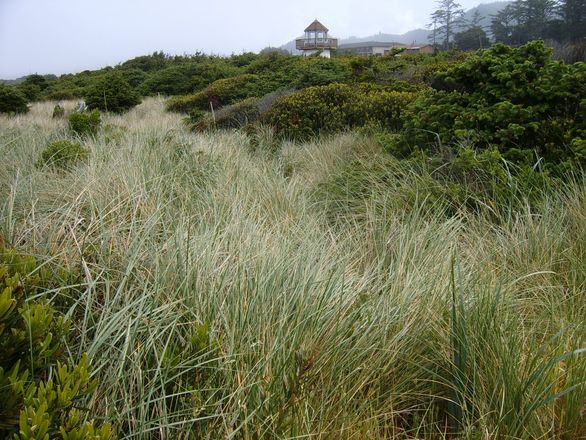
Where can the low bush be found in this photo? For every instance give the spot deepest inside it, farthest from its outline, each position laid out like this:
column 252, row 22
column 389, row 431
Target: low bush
column 84, row 123
column 467, row 182
column 112, row 93
column 219, row 93
column 11, row 101
column 58, row 111
column 232, row 116
column 194, row 116
column 63, row 154
column 63, row 95
column 336, row 107
column 319, row 71
column 507, row 99
column 41, row 391
column 243, row 113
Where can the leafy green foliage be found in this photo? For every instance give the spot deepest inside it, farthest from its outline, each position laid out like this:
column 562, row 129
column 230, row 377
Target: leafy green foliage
column 84, row 123
column 468, row 181
column 58, row 111
column 33, row 86
column 336, row 107
column 39, row 389
column 11, row 101
column 232, row 116
column 509, row 99
column 219, row 93
column 525, row 20
column 63, row 154
column 194, row 116
column 112, row 93
column 471, row 39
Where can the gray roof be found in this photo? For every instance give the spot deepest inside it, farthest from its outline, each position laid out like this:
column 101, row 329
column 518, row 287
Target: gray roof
column 371, row 44
column 316, row 26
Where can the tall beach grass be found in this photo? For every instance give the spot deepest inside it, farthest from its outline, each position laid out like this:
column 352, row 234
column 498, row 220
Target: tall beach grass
column 230, row 291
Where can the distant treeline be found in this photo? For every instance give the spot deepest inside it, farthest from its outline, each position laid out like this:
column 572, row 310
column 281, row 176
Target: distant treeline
column 526, row 20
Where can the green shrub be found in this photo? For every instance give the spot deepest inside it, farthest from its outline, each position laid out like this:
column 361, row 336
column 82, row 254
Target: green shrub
column 194, row 116
column 63, row 95
column 58, row 111
column 63, row 154
column 112, row 93
column 319, row 71
column 335, row 107
column 11, row 101
column 507, row 99
column 220, row 93
column 40, row 390
column 232, row 116
column 84, row 123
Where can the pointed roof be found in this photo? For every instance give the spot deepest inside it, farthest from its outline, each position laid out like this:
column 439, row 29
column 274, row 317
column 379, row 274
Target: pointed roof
column 316, row 26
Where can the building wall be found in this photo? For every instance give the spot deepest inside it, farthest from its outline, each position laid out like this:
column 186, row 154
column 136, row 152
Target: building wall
column 426, row 49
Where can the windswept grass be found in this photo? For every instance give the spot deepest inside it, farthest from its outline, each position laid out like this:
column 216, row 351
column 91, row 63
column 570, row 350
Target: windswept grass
column 231, row 292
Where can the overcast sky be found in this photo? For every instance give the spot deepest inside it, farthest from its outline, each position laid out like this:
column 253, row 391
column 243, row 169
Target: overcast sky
column 62, row 36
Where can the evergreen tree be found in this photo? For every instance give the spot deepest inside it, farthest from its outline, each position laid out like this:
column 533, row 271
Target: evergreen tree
column 471, row 39
column 535, row 17
column 573, row 16
column 473, row 36
column 445, row 18
column 112, row 93
column 11, row 101
column 503, row 25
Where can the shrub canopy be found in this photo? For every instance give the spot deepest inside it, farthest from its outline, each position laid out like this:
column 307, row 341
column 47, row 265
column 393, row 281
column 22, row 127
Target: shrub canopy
column 11, row 101
column 335, row 107
column 113, row 94
column 510, row 99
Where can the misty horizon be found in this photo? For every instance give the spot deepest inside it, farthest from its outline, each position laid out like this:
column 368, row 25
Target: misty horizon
column 65, row 36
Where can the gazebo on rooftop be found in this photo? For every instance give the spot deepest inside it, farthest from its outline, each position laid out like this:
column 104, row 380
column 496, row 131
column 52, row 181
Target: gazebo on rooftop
column 316, row 39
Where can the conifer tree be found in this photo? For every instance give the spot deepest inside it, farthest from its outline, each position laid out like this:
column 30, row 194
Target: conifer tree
column 444, row 19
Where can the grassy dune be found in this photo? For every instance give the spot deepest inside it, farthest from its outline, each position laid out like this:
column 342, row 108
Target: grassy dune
column 232, row 292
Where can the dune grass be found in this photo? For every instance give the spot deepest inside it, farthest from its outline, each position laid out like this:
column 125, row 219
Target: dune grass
column 230, row 291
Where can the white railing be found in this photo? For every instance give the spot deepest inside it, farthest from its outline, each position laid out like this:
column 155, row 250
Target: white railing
column 316, row 43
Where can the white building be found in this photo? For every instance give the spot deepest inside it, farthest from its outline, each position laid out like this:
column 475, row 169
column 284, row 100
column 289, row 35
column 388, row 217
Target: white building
column 316, row 40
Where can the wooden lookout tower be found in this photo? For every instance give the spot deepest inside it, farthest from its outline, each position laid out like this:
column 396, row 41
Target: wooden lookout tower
column 316, row 40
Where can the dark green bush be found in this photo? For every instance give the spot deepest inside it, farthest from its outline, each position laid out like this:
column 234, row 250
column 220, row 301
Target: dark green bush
column 63, row 95
column 335, row 107
column 33, row 86
column 232, row 116
column 58, row 111
column 112, row 93
column 319, row 71
column 219, row 93
column 174, row 80
column 507, row 99
column 40, row 389
column 63, row 154
column 194, row 116
column 11, row 101
column 84, row 123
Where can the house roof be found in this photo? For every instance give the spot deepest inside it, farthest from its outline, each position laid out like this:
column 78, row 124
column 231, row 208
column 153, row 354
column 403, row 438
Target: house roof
column 316, row 26
column 371, row 44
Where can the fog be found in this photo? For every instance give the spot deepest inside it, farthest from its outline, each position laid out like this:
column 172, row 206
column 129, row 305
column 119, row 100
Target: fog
column 62, row 36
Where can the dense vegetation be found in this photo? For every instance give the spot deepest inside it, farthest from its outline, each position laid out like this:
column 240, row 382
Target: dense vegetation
column 387, row 247
column 11, row 101
column 40, row 391
column 526, row 20
column 225, row 284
